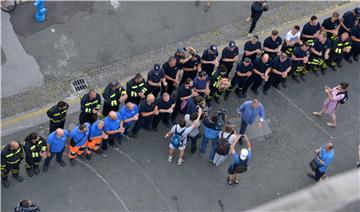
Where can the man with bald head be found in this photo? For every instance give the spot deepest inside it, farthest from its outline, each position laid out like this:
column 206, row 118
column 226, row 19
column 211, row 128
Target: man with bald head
column 56, row 142
column 113, row 128
column 11, row 157
column 260, row 73
column 96, row 136
column 130, row 114
column 148, row 109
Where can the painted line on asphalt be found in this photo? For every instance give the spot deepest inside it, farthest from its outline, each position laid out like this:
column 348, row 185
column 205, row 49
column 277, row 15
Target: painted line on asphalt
column 147, row 177
column 306, row 115
column 106, row 182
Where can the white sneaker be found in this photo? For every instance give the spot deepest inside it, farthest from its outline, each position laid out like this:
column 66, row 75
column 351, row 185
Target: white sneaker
column 180, row 161
column 170, row 158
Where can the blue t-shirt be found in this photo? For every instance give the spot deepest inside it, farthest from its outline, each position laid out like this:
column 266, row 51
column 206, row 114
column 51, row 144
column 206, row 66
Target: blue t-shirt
column 111, row 125
column 126, row 114
column 78, row 137
column 94, row 130
column 200, row 84
column 191, row 107
column 57, row 144
column 326, row 157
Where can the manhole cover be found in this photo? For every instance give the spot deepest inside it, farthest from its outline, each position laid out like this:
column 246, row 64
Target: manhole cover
column 79, row 85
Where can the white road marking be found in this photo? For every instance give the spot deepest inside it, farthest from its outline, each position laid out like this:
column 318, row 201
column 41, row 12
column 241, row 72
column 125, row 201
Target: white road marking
column 306, row 115
column 147, row 177
column 106, row 182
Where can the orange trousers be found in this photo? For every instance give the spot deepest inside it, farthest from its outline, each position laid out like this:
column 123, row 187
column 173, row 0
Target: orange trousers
column 77, row 151
column 93, row 144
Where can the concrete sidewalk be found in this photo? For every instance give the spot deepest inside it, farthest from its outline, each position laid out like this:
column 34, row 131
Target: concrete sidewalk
column 36, row 116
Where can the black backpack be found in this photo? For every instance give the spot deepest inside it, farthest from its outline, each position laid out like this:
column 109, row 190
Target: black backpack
column 343, row 100
column 223, row 146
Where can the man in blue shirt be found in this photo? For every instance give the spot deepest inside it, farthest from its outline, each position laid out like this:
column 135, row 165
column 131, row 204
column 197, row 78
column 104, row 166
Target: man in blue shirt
column 79, row 136
column 201, row 84
column 210, row 133
column 56, row 142
column 129, row 114
column 249, row 110
column 324, row 157
column 96, row 136
column 113, row 128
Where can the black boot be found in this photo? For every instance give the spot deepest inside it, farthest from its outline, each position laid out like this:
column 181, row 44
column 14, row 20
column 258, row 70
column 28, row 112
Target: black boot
column 227, row 93
column 30, row 171
column 216, row 98
column 72, row 161
column 5, row 182
column 36, row 169
column 18, row 178
column 88, row 156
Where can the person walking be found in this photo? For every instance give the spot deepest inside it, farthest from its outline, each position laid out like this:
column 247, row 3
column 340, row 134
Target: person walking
column 323, row 158
column 257, row 9
column 240, row 161
column 249, row 110
column 335, row 96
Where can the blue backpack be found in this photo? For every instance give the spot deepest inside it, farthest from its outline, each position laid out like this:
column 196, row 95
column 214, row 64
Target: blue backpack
column 177, row 139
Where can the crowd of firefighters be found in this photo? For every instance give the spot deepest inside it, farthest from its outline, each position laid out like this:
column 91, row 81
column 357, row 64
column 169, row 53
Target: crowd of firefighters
column 144, row 103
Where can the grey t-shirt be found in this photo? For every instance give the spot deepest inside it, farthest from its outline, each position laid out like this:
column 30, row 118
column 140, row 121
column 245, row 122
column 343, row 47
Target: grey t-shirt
column 179, row 129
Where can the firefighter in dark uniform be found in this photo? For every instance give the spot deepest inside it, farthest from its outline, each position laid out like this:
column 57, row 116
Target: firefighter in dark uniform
column 219, row 82
column 136, row 89
column 90, row 106
column 11, row 156
column 319, row 54
column 331, row 26
column 35, row 150
column 57, row 115
column 340, row 46
column 299, row 59
column 229, row 55
column 243, row 72
column 113, row 95
column 311, row 31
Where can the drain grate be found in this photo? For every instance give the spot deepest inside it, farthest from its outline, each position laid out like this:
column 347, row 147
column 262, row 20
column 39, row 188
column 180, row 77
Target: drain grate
column 79, row 85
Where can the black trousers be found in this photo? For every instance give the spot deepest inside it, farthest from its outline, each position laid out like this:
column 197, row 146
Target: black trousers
column 255, row 15
column 335, row 58
column 144, row 122
column 87, row 117
column 30, row 161
column 13, row 168
column 355, row 51
column 155, row 90
column 107, row 108
column 188, row 74
column 228, row 66
column 239, row 82
column 254, row 81
column 161, row 116
column 274, row 79
column 169, row 88
column 318, row 174
column 176, row 109
column 54, row 125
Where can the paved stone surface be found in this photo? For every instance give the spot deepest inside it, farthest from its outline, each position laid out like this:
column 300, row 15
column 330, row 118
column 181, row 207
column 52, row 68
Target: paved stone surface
column 57, row 83
column 137, row 175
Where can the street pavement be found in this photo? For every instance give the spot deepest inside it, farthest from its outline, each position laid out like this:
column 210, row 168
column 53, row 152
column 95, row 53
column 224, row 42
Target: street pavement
column 100, row 43
column 136, row 176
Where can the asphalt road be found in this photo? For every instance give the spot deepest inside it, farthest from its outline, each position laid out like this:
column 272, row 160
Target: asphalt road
column 137, row 177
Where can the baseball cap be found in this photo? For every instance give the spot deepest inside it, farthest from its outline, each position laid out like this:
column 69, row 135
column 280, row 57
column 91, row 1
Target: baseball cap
column 357, row 11
column 232, row 44
column 157, row 67
column 243, row 154
column 213, row 48
column 180, row 50
column 247, row 59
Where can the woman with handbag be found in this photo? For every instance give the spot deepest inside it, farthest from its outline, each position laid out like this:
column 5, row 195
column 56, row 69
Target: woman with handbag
column 335, row 96
column 323, row 158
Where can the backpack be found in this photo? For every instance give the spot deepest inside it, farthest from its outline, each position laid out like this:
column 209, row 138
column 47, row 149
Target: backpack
column 223, row 146
column 343, row 100
column 177, row 139
column 242, row 167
